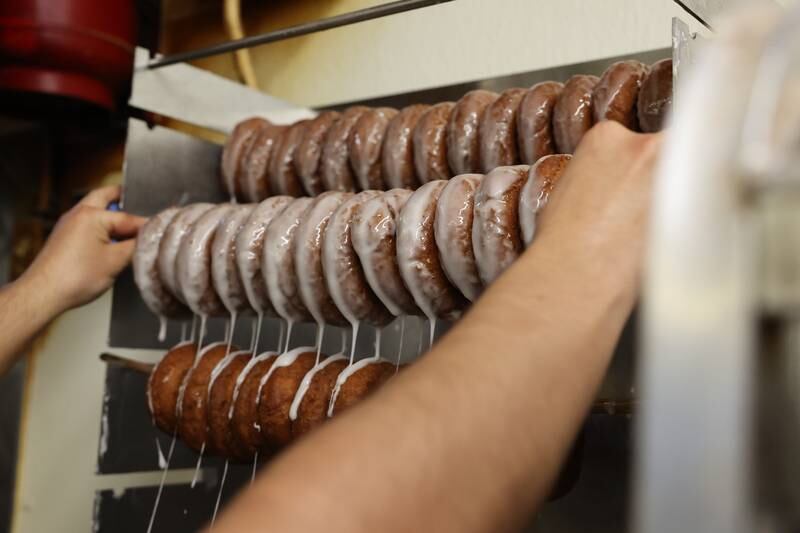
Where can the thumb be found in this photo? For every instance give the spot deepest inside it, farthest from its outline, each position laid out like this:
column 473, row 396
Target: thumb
column 121, row 225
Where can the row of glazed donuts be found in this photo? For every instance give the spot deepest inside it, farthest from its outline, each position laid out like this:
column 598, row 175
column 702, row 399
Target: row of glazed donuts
column 342, row 258
column 382, row 148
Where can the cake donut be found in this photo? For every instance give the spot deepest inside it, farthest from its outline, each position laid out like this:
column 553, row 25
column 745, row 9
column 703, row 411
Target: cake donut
column 193, row 264
column 154, row 292
column 221, row 439
column 249, row 245
column 233, row 154
column 243, row 415
column 498, row 130
column 357, row 381
column 573, row 115
column 224, row 273
column 283, row 178
column 496, row 237
column 463, row 140
column 256, row 186
column 193, row 399
column 373, row 233
column 430, row 143
column 277, row 262
column 308, row 259
column 337, row 175
column 309, row 407
column 344, row 274
column 365, row 144
column 397, row 154
column 164, row 383
column 452, row 230
column 276, row 393
column 418, row 256
column 307, row 158
column 535, row 121
column 170, row 243
column 655, row 97
column 542, row 177
column 616, row 94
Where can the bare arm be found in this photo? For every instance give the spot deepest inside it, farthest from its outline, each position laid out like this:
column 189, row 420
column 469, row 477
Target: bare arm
column 77, row 264
column 471, row 437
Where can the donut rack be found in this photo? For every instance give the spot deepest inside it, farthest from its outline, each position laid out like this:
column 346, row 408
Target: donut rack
column 167, row 166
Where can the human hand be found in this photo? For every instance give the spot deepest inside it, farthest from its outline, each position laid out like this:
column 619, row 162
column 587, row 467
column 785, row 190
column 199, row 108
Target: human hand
column 79, row 261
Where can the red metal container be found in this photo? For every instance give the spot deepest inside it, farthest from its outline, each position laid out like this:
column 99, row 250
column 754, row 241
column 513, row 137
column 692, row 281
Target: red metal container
column 79, row 49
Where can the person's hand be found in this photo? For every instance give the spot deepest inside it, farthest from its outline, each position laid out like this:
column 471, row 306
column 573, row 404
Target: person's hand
column 79, row 261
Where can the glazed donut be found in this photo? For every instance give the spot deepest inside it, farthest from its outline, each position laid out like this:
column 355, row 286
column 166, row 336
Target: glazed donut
column 542, row 177
column 221, row 439
column 145, row 268
column 615, row 95
column 463, row 139
column 373, row 232
column 498, row 130
column 277, row 262
column 308, row 259
column 309, row 407
column 192, row 406
column 357, row 381
column 397, row 155
column 452, row 231
column 243, row 414
column 535, row 121
column 193, row 264
column 308, row 154
column 283, row 178
column 337, row 175
column 366, row 141
column 573, row 115
column 496, row 238
column 224, row 274
column 256, row 186
column 233, row 154
column 170, row 243
column 344, row 275
column 276, row 393
column 249, row 245
column 655, row 97
column 430, row 143
column 418, row 257
column 164, row 383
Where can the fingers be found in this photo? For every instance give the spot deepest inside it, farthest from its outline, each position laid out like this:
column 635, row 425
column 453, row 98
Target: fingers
column 119, row 256
column 121, row 225
column 102, row 197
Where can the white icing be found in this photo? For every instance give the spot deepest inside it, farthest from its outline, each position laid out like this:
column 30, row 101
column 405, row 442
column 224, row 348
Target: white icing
column 148, row 393
column 220, row 367
column 203, row 350
column 345, row 375
column 282, row 361
column 306, row 383
column 170, row 244
column 219, row 496
column 196, row 476
column 224, row 274
column 145, row 263
column 243, row 375
column 161, row 483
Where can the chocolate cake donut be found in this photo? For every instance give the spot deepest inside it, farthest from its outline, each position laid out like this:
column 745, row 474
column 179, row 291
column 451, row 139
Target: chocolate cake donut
column 233, row 154
column 498, row 130
column 249, row 246
column 337, row 175
column 309, row 407
column 164, row 383
column 224, row 273
column 365, row 144
column 373, row 233
column 430, row 143
column 283, row 178
column 496, row 237
column 397, row 154
column 243, row 414
column 616, row 94
column 358, row 381
column 655, row 97
column 308, row 259
column 463, row 139
column 256, row 186
column 221, row 439
column 170, row 243
column 418, row 256
column 573, row 115
column 542, row 177
column 307, row 157
column 535, row 121
column 452, row 231
column 344, row 274
column 277, row 262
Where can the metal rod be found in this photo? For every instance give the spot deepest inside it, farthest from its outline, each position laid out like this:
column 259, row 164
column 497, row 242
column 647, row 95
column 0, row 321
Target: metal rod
column 383, row 10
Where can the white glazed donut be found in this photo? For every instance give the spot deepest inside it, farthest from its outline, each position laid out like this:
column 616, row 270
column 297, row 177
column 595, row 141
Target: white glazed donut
column 234, row 154
column 365, row 143
column 171, row 242
column 453, row 232
column 496, row 238
column 542, row 177
column 224, row 274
